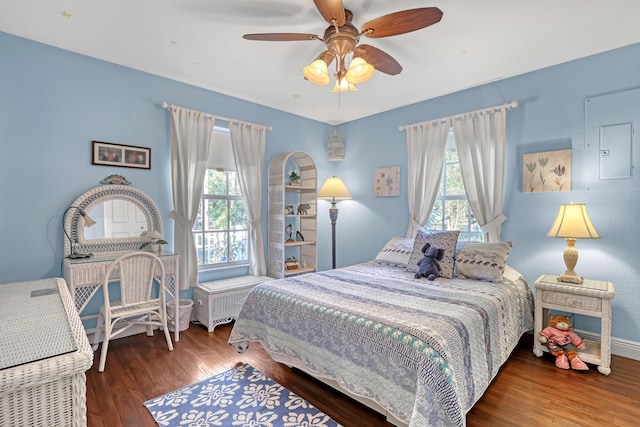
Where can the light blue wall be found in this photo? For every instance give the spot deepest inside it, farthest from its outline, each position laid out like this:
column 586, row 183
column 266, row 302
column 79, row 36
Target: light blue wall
column 550, row 115
column 53, row 103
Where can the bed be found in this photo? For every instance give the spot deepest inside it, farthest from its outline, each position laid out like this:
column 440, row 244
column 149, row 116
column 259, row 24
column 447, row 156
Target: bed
column 420, row 352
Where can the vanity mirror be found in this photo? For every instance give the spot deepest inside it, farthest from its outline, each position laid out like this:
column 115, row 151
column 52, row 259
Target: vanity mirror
column 121, row 213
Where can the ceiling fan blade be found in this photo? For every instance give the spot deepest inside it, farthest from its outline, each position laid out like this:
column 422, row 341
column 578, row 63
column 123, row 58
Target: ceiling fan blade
column 280, row 37
column 331, row 10
column 380, row 60
column 402, row 22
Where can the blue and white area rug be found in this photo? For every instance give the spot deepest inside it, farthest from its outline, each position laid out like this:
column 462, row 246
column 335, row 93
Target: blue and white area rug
column 242, row 397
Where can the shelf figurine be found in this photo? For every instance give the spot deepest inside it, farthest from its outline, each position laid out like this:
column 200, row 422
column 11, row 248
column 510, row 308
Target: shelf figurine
column 289, row 229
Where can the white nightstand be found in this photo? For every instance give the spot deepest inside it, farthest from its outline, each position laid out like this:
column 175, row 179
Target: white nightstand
column 591, row 298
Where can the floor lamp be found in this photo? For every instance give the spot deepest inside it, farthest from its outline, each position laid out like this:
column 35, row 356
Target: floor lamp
column 333, row 189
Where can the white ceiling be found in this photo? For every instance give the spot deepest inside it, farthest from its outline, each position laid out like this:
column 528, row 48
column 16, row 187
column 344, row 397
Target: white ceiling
column 200, row 42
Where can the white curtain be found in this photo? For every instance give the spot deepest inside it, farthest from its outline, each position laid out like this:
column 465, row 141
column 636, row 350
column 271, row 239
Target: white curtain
column 248, row 143
column 191, row 138
column 426, row 144
column 480, row 140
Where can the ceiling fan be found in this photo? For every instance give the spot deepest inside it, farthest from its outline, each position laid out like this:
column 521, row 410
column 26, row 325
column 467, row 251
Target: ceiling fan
column 355, row 63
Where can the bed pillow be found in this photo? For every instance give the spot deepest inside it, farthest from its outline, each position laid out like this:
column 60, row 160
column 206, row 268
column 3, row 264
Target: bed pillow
column 482, row 261
column 442, row 240
column 396, row 252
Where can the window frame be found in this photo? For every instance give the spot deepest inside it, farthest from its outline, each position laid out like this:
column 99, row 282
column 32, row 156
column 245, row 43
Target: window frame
column 199, row 236
column 468, row 233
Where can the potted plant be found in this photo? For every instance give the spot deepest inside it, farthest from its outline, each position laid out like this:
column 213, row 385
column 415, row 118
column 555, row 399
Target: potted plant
column 155, row 240
column 294, row 177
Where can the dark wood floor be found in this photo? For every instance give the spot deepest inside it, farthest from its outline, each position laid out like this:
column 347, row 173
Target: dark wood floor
column 528, row 391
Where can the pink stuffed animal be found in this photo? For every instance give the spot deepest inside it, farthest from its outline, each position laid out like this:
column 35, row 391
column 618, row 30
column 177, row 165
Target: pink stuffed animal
column 559, row 337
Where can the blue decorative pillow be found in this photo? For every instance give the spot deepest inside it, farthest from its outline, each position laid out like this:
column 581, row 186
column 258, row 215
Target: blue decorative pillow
column 396, row 252
column 442, row 240
column 482, row 260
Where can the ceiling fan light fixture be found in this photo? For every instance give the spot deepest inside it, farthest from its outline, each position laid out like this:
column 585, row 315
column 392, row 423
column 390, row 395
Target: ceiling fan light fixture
column 359, row 71
column 317, row 72
column 344, row 86
column 342, row 39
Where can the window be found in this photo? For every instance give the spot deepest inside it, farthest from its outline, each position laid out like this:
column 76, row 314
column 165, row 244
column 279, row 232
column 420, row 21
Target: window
column 451, row 210
column 221, row 230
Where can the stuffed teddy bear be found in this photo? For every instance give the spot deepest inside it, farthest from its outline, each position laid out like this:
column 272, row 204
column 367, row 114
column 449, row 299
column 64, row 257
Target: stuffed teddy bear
column 429, row 266
column 562, row 341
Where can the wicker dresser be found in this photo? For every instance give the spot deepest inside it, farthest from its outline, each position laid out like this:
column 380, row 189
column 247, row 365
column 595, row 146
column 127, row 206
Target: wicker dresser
column 44, row 353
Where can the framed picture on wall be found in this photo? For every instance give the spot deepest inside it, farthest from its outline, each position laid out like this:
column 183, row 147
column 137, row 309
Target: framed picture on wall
column 387, row 182
column 546, row 171
column 129, row 156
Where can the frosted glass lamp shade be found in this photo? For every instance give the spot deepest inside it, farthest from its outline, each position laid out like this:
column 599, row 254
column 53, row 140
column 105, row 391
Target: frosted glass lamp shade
column 317, row 72
column 88, row 221
column 359, row 71
column 344, row 86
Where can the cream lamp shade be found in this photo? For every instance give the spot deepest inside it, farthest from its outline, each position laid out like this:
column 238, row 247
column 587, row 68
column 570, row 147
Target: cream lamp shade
column 334, row 189
column 572, row 222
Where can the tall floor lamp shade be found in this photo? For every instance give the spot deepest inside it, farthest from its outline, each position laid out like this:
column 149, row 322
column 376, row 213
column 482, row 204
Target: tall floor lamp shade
column 572, row 222
column 333, row 189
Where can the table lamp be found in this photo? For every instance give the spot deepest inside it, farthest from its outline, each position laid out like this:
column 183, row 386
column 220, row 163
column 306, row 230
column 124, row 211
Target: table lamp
column 572, row 222
column 88, row 222
column 333, row 189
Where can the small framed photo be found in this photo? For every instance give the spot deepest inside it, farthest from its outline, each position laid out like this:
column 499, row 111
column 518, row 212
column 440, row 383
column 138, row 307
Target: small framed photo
column 129, row 156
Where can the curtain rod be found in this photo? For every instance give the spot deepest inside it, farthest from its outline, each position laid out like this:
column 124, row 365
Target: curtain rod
column 167, row 106
column 508, row 105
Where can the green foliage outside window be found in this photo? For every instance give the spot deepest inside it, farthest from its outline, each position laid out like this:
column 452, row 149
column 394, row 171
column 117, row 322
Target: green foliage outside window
column 451, row 210
column 221, row 230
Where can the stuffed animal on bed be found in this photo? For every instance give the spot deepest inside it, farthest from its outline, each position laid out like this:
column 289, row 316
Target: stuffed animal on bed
column 562, row 342
column 429, row 266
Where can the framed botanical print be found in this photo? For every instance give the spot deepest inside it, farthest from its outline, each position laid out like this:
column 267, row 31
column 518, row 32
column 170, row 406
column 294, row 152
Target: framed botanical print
column 546, row 171
column 387, row 182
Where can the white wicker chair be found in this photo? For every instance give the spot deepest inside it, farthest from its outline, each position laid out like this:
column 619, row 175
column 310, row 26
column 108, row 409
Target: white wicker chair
column 136, row 272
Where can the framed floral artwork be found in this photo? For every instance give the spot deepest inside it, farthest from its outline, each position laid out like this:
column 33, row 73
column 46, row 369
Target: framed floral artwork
column 546, row 171
column 387, row 182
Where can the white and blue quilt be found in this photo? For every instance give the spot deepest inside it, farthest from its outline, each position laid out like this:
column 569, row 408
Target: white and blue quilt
column 424, row 351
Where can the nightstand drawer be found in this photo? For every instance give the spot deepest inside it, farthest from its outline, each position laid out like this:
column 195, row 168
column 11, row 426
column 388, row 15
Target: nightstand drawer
column 574, row 301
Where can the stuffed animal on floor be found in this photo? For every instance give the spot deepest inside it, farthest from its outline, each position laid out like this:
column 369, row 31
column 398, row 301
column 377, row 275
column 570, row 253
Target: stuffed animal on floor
column 429, row 266
column 562, row 341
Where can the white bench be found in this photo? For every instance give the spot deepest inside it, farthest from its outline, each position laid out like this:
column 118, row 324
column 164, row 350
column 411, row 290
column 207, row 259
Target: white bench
column 220, row 301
